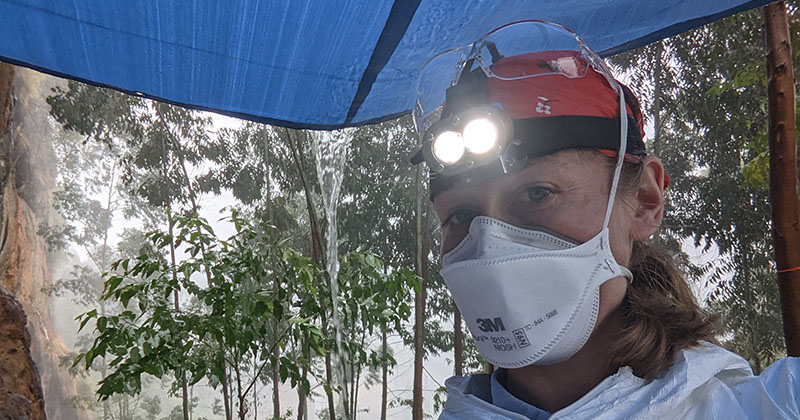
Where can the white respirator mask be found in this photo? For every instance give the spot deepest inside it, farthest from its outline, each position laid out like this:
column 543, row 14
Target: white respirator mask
column 527, row 296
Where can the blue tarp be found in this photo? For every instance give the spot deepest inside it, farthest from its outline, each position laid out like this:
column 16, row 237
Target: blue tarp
column 310, row 64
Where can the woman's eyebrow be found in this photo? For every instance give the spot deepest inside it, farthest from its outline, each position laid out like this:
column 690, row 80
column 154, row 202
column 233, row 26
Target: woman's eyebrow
column 451, row 198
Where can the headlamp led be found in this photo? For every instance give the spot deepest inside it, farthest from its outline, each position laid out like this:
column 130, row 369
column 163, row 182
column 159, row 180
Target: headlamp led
column 468, row 139
column 448, row 147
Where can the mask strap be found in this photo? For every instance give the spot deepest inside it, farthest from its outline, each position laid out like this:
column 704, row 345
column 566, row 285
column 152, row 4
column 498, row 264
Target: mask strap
column 623, row 145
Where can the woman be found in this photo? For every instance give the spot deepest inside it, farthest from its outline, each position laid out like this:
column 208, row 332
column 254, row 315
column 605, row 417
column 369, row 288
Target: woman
column 546, row 198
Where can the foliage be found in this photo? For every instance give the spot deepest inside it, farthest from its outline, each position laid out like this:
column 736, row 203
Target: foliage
column 232, row 315
column 378, row 192
column 162, row 157
column 370, row 302
column 255, row 165
column 150, row 136
column 749, row 316
column 152, row 337
column 89, row 195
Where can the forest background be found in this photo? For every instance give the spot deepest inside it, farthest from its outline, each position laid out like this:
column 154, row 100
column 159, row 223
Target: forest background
column 197, row 251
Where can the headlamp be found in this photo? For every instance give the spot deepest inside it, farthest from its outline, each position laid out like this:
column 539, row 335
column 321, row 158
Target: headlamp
column 560, row 94
column 471, row 138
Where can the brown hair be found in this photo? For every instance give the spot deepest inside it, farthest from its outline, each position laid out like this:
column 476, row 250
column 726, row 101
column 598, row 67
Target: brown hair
column 660, row 315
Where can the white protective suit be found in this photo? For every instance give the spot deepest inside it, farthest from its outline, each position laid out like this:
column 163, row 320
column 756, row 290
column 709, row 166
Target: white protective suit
column 706, row 382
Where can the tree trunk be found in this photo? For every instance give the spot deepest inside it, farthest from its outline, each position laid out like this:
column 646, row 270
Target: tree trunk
column 301, row 395
column 419, row 300
column 745, row 277
column 255, row 387
column 226, row 394
column 239, row 395
column 384, row 374
column 276, row 352
column 6, row 88
column 659, row 69
column 173, row 267
column 758, row 367
column 298, row 153
column 317, row 254
column 191, row 400
column 27, row 177
column 21, row 394
column 103, row 266
column 329, row 374
column 103, row 366
column 276, row 377
column 354, row 377
column 783, row 169
column 304, row 351
column 184, row 390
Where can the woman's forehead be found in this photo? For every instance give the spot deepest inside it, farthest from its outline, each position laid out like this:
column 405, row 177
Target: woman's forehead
column 564, row 167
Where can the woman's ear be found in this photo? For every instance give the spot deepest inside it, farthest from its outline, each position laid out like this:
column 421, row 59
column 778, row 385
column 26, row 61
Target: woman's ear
column 649, row 199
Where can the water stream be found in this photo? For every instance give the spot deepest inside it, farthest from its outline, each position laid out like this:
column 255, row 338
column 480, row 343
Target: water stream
column 330, row 152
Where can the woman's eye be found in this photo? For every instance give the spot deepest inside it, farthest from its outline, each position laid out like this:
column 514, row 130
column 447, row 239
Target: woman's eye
column 460, row 217
column 536, row 194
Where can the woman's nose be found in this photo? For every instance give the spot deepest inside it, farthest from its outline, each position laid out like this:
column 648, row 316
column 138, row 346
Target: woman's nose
column 493, row 206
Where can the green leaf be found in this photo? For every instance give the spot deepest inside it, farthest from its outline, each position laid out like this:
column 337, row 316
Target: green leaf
column 86, row 317
column 261, row 308
column 112, row 284
column 101, row 323
column 126, row 296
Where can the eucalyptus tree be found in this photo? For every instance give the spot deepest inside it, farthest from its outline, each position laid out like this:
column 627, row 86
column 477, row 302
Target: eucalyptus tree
column 159, row 143
column 373, row 301
column 378, row 203
column 378, row 194
column 89, row 195
column 253, row 164
column 271, row 171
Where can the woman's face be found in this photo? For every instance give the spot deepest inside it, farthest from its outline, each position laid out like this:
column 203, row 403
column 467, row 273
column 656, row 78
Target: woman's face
column 565, row 193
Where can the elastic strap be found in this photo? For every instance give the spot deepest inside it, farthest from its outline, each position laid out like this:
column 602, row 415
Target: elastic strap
column 623, row 143
column 786, row 270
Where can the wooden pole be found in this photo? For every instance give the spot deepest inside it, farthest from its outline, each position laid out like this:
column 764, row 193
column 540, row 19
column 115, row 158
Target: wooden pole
column 458, row 342
column 783, row 169
column 419, row 302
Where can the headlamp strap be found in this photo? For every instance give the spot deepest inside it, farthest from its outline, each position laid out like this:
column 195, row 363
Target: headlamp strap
column 623, row 143
column 471, row 91
column 542, row 136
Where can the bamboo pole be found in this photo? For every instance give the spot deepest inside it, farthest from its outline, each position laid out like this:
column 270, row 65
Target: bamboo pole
column 783, row 169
